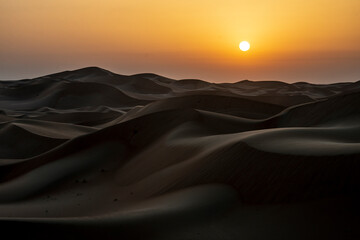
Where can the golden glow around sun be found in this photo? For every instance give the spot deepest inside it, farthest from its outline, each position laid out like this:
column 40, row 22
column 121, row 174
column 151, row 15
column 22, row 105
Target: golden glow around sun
column 244, row 46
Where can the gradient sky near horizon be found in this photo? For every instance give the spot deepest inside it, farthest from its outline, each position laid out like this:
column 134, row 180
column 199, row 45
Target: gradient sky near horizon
column 316, row 40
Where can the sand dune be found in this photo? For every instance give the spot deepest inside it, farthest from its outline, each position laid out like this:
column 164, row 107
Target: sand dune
column 241, row 107
column 91, row 154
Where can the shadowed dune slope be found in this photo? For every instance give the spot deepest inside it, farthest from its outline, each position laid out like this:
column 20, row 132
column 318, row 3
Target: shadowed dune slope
column 332, row 111
column 241, row 107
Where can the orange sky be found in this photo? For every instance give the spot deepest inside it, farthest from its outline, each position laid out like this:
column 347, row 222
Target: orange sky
column 297, row 40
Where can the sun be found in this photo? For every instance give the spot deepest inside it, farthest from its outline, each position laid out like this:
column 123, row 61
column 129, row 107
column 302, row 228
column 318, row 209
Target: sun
column 244, row 46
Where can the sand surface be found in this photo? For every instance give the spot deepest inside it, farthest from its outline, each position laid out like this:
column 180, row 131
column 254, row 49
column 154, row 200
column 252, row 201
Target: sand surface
column 90, row 154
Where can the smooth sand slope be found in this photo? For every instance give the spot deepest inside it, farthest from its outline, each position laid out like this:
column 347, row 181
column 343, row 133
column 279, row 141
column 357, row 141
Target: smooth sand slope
column 90, row 154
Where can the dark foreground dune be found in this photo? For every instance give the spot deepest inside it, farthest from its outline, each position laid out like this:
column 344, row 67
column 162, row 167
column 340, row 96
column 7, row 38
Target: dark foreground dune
column 89, row 154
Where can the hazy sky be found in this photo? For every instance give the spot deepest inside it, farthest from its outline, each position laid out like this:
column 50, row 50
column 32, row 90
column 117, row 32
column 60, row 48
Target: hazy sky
column 291, row 40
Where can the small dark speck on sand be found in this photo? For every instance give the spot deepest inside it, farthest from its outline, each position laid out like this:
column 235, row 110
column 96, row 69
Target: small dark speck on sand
column 115, row 199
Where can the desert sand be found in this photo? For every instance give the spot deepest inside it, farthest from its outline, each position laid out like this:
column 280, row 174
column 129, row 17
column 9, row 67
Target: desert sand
column 90, row 154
